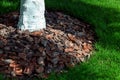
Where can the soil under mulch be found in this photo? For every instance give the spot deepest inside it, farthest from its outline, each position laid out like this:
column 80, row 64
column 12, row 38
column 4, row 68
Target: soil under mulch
column 65, row 42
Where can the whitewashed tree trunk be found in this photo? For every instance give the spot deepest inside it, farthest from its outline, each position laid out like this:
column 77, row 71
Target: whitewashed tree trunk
column 32, row 15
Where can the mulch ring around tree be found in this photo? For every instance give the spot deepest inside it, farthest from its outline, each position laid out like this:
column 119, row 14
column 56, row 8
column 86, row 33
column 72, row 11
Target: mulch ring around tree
column 65, row 42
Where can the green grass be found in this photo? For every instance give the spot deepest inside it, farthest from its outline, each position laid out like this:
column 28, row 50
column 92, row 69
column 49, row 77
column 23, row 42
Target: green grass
column 104, row 16
column 8, row 5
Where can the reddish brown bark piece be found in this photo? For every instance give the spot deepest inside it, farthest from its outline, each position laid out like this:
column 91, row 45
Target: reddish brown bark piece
column 28, row 70
column 37, row 33
column 87, row 47
column 49, row 36
column 72, row 37
column 71, row 49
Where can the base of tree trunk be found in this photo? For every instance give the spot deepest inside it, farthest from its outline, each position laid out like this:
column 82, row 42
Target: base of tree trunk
column 32, row 16
column 65, row 42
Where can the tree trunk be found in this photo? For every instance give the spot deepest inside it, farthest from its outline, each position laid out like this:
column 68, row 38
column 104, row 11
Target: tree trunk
column 32, row 15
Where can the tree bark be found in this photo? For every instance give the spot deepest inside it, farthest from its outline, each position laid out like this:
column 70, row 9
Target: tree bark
column 32, row 15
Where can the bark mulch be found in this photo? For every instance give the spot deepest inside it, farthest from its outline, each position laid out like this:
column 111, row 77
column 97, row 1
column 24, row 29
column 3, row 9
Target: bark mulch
column 65, row 42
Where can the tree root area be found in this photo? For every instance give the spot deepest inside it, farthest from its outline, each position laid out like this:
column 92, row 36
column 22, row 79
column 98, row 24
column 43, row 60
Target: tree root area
column 64, row 43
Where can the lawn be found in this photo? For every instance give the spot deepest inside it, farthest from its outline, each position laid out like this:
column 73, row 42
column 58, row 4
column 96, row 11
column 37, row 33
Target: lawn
column 104, row 16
